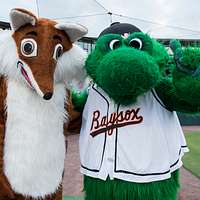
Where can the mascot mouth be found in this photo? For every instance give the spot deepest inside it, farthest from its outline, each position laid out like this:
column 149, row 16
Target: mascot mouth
column 24, row 73
column 29, row 79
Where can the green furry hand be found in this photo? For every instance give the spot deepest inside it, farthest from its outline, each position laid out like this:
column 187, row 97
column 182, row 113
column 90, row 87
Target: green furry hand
column 79, row 99
column 186, row 74
column 175, row 45
column 184, row 59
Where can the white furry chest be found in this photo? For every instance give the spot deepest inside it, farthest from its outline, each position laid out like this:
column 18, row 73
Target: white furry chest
column 34, row 147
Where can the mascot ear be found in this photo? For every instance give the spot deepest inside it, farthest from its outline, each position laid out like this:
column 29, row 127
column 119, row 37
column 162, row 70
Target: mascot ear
column 20, row 17
column 74, row 31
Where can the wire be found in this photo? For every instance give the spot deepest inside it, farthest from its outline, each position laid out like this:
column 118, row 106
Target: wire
column 183, row 36
column 101, row 5
column 134, row 18
column 108, row 12
column 78, row 16
column 119, row 15
column 156, row 23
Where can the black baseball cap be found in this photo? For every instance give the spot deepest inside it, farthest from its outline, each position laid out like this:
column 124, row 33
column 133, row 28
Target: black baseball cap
column 120, row 28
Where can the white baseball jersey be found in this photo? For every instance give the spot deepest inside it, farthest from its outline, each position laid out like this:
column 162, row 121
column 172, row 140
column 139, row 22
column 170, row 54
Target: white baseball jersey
column 140, row 143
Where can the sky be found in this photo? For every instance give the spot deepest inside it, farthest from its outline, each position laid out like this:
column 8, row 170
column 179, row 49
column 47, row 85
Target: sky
column 159, row 18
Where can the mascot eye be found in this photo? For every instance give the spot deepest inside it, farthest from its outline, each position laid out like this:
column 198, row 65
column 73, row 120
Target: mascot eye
column 58, row 51
column 29, row 47
column 114, row 44
column 136, row 43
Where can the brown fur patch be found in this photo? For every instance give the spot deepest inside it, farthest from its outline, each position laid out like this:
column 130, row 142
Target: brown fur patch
column 43, row 65
column 75, row 118
column 5, row 189
column 2, row 119
column 73, row 126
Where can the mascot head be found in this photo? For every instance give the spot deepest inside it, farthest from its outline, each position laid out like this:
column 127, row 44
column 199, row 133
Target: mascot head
column 126, row 62
column 40, row 52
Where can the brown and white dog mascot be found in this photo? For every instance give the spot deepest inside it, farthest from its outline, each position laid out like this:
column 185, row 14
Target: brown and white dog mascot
column 35, row 61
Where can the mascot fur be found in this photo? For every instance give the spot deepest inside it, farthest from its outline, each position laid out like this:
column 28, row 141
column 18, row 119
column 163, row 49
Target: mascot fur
column 37, row 61
column 131, row 141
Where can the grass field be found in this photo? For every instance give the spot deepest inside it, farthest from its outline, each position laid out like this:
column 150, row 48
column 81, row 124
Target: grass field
column 72, row 198
column 191, row 160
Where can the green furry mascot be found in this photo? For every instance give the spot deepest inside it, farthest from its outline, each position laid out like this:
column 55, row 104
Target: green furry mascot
column 131, row 142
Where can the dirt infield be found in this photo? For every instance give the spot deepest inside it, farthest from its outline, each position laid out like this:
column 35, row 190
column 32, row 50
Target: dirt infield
column 191, row 128
column 190, row 185
column 72, row 177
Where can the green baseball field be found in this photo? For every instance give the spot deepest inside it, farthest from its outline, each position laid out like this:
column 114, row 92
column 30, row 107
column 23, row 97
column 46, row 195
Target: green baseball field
column 191, row 160
column 72, row 198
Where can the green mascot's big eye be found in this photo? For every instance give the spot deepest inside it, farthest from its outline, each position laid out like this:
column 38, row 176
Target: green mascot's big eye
column 114, row 44
column 136, row 43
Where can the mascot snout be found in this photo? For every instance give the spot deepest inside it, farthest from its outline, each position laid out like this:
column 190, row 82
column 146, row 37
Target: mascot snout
column 122, row 71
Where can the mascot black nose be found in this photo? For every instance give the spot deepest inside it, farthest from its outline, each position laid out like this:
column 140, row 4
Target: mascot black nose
column 48, row 96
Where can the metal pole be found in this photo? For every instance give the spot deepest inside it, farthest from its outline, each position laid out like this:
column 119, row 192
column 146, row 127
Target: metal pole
column 37, row 8
column 109, row 13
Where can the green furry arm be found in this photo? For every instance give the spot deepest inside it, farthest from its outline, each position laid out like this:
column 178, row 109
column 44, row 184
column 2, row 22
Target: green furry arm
column 79, row 99
column 172, row 100
column 181, row 92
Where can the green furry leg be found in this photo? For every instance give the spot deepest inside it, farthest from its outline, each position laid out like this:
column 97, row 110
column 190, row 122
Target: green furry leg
column 96, row 189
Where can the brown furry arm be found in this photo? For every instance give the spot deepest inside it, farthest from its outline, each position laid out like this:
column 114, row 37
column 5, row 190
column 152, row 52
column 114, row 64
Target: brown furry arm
column 74, row 123
column 5, row 189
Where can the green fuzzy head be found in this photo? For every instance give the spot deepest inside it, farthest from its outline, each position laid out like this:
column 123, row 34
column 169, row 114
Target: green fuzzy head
column 126, row 67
